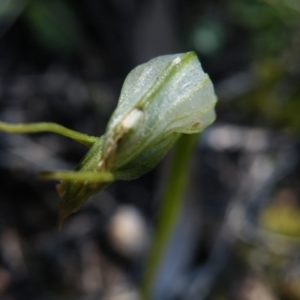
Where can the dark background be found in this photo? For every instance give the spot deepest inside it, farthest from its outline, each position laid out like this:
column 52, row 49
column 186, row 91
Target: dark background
column 238, row 235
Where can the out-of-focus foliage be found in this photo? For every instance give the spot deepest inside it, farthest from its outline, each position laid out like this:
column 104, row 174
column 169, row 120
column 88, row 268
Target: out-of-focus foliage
column 55, row 26
column 282, row 216
column 9, row 12
column 274, row 42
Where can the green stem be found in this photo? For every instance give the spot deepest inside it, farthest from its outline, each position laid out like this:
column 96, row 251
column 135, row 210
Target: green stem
column 169, row 208
column 49, row 127
column 79, row 176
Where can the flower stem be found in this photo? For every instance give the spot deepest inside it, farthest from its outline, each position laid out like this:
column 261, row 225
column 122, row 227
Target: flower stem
column 170, row 207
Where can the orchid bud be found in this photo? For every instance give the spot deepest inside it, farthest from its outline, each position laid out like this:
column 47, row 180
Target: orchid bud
column 168, row 95
column 161, row 99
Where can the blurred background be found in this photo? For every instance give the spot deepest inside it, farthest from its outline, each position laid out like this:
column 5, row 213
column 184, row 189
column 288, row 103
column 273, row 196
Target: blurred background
column 238, row 236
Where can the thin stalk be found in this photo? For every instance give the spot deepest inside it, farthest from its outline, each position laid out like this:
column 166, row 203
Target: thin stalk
column 169, row 209
column 79, row 176
column 49, row 127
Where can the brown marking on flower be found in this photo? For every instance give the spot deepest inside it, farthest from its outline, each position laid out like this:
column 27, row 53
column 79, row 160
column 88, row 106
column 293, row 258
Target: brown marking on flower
column 195, row 125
